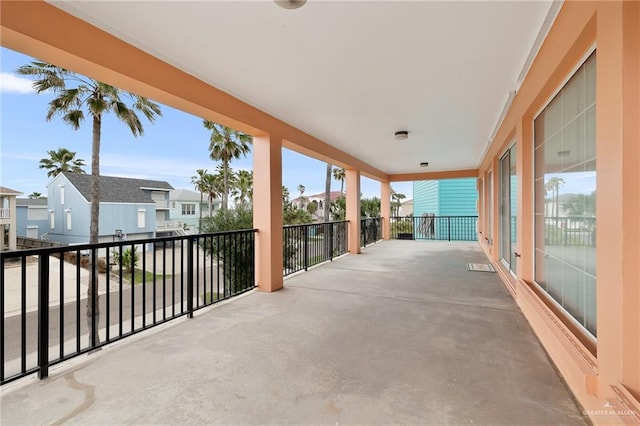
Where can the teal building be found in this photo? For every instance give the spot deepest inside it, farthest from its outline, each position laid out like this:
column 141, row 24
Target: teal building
column 447, row 200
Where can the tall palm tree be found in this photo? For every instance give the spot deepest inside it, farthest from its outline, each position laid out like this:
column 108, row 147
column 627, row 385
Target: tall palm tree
column 199, row 182
column 301, row 189
column 339, row 174
column 243, row 191
column 75, row 95
column 396, row 201
column 60, row 161
column 327, row 193
column 226, row 144
column 553, row 185
column 213, row 188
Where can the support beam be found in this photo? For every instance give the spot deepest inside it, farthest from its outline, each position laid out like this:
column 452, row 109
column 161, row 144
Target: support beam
column 353, row 209
column 267, row 211
column 385, row 209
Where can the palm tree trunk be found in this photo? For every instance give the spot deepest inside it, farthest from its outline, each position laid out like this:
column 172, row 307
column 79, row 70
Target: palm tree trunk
column 93, row 297
column 327, row 193
column 225, row 183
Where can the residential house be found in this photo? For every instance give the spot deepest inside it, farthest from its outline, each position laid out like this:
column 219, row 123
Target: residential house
column 8, row 218
column 317, row 212
column 129, row 208
column 186, row 208
column 32, row 217
column 406, row 208
column 447, row 197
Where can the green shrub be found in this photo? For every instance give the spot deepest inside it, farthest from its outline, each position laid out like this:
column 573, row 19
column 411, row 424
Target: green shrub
column 129, row 259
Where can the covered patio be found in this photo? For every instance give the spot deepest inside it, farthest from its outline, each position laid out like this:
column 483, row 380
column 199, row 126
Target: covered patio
column 400, row 334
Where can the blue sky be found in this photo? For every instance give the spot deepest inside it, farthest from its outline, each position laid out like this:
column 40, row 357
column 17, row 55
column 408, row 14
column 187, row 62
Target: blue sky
column 171, row 149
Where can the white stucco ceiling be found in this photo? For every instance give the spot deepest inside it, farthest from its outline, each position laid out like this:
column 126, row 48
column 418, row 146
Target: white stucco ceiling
column 349, row 72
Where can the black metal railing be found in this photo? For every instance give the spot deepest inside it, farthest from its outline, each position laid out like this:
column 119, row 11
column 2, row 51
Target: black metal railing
column 570, row 231
column 448, row 228
column 370, row 230
column 309, row 244
column 143, row 283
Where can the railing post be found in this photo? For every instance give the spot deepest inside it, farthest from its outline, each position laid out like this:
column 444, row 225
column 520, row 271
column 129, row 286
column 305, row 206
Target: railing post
column 94, row 296
column 331, row 241
column 190, row 277
column 449, row 226
column 43, row 316
column 414, row 227
column 305, row 239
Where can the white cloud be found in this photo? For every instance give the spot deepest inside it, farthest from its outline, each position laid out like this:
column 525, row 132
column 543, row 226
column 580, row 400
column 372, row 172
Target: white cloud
column 10, row 83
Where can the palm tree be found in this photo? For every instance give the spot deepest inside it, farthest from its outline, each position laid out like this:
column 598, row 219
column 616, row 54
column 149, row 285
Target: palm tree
column 199, row 182
column 301, row 189
column 554, row 184
column 76, row 94
column 339, row 174
column 226, row 144
column 60, row 161
column 396, row 201
column 35, row 195
column 243, row 191
column 213, row 187
column 327, row 193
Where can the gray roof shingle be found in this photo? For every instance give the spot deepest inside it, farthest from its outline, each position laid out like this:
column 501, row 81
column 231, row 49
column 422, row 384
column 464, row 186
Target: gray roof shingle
column 117, row 189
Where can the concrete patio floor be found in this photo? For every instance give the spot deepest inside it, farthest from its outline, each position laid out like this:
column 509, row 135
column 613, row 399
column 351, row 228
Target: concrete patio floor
column 402, row 334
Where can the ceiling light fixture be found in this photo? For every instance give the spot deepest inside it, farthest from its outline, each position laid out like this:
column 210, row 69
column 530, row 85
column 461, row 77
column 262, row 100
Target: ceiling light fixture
column 401, row 135
column 290, row 4
column 424, row 164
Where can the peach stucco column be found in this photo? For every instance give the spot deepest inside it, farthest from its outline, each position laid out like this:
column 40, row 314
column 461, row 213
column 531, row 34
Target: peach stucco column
column 609, row 233
column 631, row 198
column 353, row 209
column 385, row 209
column 267, row 211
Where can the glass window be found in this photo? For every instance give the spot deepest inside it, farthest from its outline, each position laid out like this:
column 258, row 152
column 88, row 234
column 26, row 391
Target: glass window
column 565, row 195
column 490, row 206
column 68, row 214
column 508, row 208
column 142, row 213
column 188, row 209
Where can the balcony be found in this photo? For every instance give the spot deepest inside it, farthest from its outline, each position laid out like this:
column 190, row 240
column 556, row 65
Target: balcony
column 169, row 225
column 402, row 334
column 5, row 213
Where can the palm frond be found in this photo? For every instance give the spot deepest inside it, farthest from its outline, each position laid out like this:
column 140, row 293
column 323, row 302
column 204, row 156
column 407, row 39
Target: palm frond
column 74, row 118
column 148, row 108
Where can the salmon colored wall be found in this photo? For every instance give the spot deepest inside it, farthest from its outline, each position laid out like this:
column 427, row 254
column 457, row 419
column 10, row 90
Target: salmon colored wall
column 451, row 174
column 352, row 178
column 267, row 211
column 610, row 371
column 631, row 198
column 385, row 208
